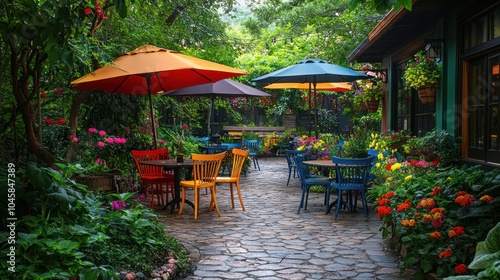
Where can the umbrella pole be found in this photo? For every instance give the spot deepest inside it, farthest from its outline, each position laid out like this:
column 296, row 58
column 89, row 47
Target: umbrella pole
column 310, row 105
column 153, row 128
column 210, row 117
column 315, row 109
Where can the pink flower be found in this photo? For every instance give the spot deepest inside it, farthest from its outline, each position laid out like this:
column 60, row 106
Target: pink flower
column 75, row 139
column 115, row 205
column 97, row 160
column 110, row 140
column 100, row 144
column 102, row 133
column 123, row 204
column 92, row 130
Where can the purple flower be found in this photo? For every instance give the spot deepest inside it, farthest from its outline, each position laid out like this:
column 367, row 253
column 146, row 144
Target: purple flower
column 123, row 204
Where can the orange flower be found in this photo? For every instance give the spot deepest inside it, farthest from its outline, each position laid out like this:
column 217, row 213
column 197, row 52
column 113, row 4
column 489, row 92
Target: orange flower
column 408, row 223
column 437, row 210
column 464, row 199
column 487, row 198
column 445, row 254
column 403, row 206
column 435, row 234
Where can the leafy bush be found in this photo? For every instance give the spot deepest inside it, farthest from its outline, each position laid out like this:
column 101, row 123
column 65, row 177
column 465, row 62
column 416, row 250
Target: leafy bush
column 71, row 232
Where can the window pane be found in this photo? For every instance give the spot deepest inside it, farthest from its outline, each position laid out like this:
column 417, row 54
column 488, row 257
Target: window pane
column 496, row 23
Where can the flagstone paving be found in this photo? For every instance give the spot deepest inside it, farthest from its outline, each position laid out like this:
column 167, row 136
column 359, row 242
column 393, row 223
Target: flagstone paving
column 271, row 241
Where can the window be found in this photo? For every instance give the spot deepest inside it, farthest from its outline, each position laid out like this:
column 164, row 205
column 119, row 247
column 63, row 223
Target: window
column 411, row 115
column 483, row 108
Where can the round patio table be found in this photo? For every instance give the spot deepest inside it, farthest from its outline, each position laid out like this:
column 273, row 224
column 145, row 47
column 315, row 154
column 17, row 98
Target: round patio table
column 172, row 164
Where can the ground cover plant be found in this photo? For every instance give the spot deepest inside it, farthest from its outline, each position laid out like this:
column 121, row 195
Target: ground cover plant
column 68, row 232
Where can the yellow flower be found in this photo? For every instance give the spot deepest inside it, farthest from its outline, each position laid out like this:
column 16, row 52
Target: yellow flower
column 396, row 166
column 389, row 179
column 377, row 165
column 380, row 156
column 300, row 148
column 449, row 178
column 408, row 178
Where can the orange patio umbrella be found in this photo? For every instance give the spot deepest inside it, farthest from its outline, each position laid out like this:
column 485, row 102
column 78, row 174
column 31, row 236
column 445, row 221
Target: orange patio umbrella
column 152, row 70
column 337, row 87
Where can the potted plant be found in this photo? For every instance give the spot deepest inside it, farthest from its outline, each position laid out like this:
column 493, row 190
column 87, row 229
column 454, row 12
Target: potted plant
column 423, row 75
column 371, row 93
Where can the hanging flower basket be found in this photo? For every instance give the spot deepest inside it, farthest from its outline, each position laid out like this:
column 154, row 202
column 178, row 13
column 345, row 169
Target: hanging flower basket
column 427, row 93
column 372, row 105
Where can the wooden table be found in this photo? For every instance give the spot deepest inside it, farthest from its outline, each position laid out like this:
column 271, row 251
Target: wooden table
column 172, row 164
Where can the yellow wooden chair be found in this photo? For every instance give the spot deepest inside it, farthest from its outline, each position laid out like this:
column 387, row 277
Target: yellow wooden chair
column 239, row 158
column 205, row 170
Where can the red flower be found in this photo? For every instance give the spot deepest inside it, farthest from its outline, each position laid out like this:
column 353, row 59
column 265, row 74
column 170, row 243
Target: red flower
column 436, row 161
column 43, row 95
column 388, row 167
column 383, row 201
column 388, row 194
column 383, row 211
column 48, row 121
column 58, row 91
column 88, row 11
column 445, row 254
column 456, row 231
column 184, row 127
column 60, row 121
column 460, row 269
column 436, row 190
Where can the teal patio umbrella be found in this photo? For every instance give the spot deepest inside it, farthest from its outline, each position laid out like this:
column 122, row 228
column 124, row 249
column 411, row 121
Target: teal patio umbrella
column 312, row 71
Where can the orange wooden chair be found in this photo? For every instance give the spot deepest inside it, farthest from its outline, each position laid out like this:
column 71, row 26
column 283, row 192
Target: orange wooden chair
column 205, row 170
column 154, row 179
column 239, row 158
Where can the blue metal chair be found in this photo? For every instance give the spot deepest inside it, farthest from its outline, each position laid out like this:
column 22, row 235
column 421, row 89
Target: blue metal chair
column 292, row 167
column 307, row 181
column 253, row 147
column 352, row 175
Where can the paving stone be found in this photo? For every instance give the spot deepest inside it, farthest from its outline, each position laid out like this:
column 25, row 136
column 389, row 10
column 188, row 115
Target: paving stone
column 270, row 241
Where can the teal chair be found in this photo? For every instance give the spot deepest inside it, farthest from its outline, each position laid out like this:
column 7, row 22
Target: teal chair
column 253, row 147
column 308, row 180
column 292, row 166
column 352, row 177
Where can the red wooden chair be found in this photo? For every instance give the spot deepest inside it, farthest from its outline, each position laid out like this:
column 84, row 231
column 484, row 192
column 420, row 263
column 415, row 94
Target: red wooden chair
column 154, row 179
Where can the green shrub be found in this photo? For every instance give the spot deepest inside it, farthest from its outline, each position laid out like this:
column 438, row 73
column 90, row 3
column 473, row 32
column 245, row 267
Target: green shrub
column 71, row 232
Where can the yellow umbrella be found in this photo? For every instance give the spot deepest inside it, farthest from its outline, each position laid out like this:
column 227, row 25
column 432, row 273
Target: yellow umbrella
column 305, row 86
column 152, row 70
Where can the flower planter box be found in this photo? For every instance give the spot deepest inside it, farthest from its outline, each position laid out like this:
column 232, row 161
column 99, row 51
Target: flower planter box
column 105, row 183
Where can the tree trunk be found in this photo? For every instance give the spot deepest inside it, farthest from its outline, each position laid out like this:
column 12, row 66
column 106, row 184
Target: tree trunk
column 73, row 123
column 25, row 68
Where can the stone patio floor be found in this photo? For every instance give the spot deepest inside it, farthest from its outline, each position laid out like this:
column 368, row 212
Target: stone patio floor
column 271, row 241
